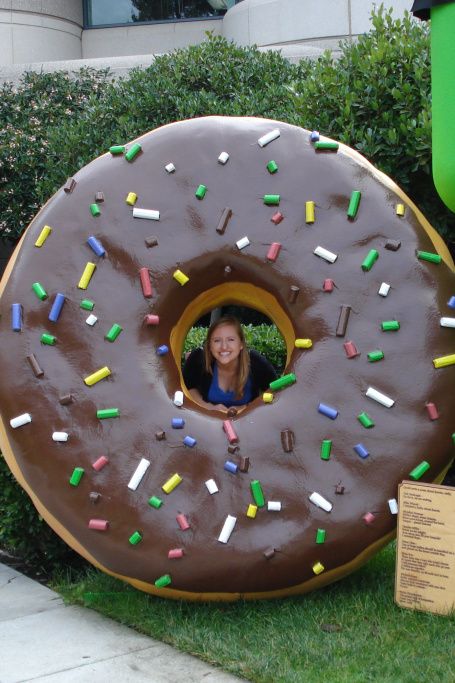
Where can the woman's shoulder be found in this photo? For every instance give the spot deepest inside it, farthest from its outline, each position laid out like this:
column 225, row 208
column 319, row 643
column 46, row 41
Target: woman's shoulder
column 260, row 364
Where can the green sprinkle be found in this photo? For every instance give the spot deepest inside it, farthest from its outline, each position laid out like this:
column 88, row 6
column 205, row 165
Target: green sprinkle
column 48, row 339
column 390, row 325
column 365, row 420
column 420, row 470
column 321, row 144
column 272, row 167
column 113, row 332
column 354, row 204
column 87, row 304
column 135, row 538
column 282, row 382
column 155, row 502
column 370, row 260
column 320, row 536
column 133, row 152
column 39, row 291
column 95, row 210
column 201, row 192
column 272, row 199
column 428, row 256
column 77, row 475
column 163, row 581
column 258, row 495
column 373, row 356
column 107, row 412
column 326, row 447
column 117, row 149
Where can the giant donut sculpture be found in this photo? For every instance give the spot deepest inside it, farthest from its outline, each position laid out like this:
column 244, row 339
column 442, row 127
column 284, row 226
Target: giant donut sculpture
column 325, row 245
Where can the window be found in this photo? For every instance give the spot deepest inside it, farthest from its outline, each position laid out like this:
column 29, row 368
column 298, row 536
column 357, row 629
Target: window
column 108, row 12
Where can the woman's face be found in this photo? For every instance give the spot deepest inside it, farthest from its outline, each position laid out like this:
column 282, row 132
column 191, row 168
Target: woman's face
column 225, row 344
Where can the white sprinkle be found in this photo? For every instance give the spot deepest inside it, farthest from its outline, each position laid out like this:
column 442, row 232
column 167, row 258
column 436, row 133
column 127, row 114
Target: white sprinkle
column 60, row 436
column 380, row 398
column 20, row 420
column 141, row 469
column 178, row 398
column 222, row 159
column 91, row 320
column 384, row 289
column 227, row 529
column 325, row 254
column 269, row 137
column 244, row 242
column 321, row 502
column 170, row 168
column 274, row 506
column 447, row 322
column 151, row 214
column 211, row 486
column 393, row 506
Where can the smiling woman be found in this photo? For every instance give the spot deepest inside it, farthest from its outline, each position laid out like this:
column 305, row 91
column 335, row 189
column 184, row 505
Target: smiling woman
column 105, row 12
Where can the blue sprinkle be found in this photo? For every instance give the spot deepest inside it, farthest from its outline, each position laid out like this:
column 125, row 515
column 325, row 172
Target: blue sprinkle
column 230, row 467
column 451, row 302
column 16, row 317
column 327, row 411
column 361, row 450
column 56, row 307
column 162, row 350
column 189, row 441
column 314, row 136
column 96, row 246
column 178, row 423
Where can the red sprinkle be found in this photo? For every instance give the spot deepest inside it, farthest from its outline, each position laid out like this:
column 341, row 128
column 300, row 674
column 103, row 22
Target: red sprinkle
column 350, row 349
column 175, row 553
column 432, row 411
column 277, row 217
column 100, row 463
column 182, row 522
column 328, row 285
column 145, row 282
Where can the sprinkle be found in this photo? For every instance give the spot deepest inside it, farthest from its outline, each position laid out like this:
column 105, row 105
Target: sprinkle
column 16, row 317
column 170, row 168
column 149, row 214
column 113, row 333
column 314, row 136
column 252, row 511
column 384, row 289
column 224, row 220
column 428, row 256
column 370, row 259
column 69, row 185
column 86, row 275
column 60, row 437
column 343, row 320
column 160, row 436
column 325, row 254
column 76, row 476
column 117, row 149
column 106, row 413
column 155, row 502
column 94, row 497
column 339, row 489
column 99, row 197
column 392, row 245
column 320, row 536
column 303, row 343
column 272, row 167
column 138, row 474
column 351, row 349
column 309, row 212
column 172, row 483
column 451, row 302
column 354, row 203
column 374, row 356
column 162, row 350
column 269, row 137
column 243, row 242
column 328, row 285
column 189, row 441
column 151, row 319
column 365, row 420
column 56, row 307
column 98, row 524
column 97, row 376
column 48, row 339
column 211, row 486
column 87, row 304
column 273, row 251
column 95, row 210
column 163, row 581
column 444, row 361
column 293, row 294
column 287, row 440
column 326, row 448
column 369, row 518
column 271, row 199
column 257, row 493
column 175, row 553
column 133, row 151
column 327, row 411
column 144, row 275
column 400, row 209
column 135, row 538
column 183, row 522
column 181, row 278
column 267, row 397
column 390, row 325
column 20, row 420
column 201, row 192
column 66, row 399
column 283, row 382
column 244, row 463
column 277, row 218
column 37, row 370
column 231, row 467
column 269, row 553
column 44, row 234
column 178, row 398
column 274, row 506
column 432, row 411
column 420, row 470
column 318, row 568
column 447, row 322
column 361, row 450
column 325, row 145
column 177, row 423
column 379, row 398
column 91, row 320
column 227, row 529
column 393, row 506
column 100, row 463
column 39, row 291
column 229, row 430
column 96, row 246
column 223, row 158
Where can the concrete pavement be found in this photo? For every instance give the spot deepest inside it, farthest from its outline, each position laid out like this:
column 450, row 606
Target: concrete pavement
column 42, row 640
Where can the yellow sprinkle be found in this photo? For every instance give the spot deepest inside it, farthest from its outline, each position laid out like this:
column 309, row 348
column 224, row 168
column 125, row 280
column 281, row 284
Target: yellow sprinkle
column 86, row 275
column 44, row 234
column 443, row 361
column 97, row 376
column 251, row 512
column 267, row 397
column 131, row 198
column 172, row 483
column 180, row 277
column 309, row 212
column 400, row 209
column 318, row 568
column 303, row 343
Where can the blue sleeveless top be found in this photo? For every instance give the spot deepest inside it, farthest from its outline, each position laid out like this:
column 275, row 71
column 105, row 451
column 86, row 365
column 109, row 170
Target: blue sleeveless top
column 217, row 395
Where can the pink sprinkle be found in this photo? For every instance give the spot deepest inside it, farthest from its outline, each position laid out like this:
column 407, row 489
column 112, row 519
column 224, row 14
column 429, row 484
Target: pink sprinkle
column 369, row 518
column 98, row 524
column 350, row 349
column 182, row 522
column 145, row 282
column 175, row 553
column 273, row 252
column 328, row 285
column 230, row 431
column 277, row 217
column 151, row 319
column 432, row 411
column 100, row 463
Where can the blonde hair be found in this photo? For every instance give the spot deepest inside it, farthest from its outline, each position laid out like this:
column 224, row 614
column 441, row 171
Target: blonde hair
column 244, row 356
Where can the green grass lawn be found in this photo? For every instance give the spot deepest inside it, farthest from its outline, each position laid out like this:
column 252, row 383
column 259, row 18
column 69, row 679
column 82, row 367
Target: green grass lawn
column 350, row 631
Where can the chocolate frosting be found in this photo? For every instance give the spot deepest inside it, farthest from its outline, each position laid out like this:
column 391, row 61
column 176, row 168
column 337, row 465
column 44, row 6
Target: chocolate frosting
column 142, row 383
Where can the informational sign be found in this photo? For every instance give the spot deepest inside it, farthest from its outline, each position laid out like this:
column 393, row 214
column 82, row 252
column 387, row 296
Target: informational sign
column 425, row 569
